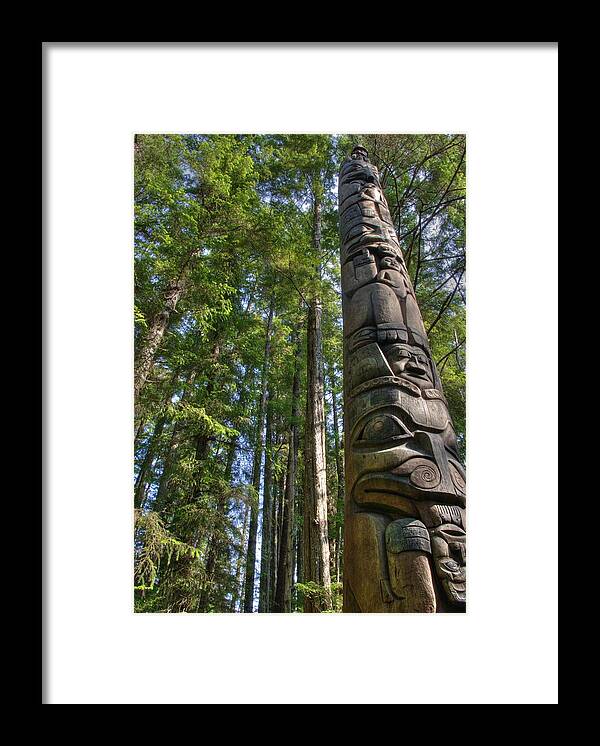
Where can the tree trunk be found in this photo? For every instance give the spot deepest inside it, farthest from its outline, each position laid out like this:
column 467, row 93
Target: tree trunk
column 240, row 562
column 258, row 453
column 277, row 498
column 285, row 569
column 277, row 533
column 316, row 539
column 267, row 522
column 154, row 336
column 331, row 493
column 298, row 549
column 339, row 469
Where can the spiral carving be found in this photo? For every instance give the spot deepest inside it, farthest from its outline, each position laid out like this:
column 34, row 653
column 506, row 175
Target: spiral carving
column 426, row 477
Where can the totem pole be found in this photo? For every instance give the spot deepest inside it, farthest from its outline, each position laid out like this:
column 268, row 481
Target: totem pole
column 405, row 539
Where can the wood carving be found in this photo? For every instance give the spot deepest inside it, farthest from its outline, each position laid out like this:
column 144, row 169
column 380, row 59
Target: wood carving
column 405, row 531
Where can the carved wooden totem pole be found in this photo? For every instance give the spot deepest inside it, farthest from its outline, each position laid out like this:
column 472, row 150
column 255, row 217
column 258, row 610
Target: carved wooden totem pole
column 405, row 485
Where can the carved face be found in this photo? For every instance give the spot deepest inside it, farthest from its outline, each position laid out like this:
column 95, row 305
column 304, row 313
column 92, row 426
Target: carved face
column 389, row 262
column 410, row 362
column 448, row 545
column 397, row 445
column 392, row 273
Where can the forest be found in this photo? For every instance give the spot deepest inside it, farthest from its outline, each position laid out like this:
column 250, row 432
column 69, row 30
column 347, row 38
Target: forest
column 238, row 371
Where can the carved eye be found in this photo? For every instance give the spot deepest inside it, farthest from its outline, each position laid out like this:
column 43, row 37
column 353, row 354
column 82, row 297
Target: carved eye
column 451, row 565
column 381, row 427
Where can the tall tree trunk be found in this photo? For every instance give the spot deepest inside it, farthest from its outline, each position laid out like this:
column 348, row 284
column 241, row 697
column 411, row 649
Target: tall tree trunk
column 339, row 469
column 278, row 518
column 339, row 464
column 298, row 548
column 258, row 453
column 267, row 511
column 285, row 566
column 240, row 561
column 316, row 539
column 331, row 494
column 275, row 510
column 154, row 336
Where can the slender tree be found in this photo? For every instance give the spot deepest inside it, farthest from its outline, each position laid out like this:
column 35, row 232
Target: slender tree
column 256, row 470
column 267, row 512
column 285, row 566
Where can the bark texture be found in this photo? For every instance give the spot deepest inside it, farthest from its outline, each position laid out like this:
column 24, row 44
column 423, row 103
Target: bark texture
column 315, row 534
column 267, row 522
column 285, row 566
column 154, row 336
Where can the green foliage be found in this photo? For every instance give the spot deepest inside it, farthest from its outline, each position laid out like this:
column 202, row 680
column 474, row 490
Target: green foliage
column 321, row 595
column 192, row 414
column 155, row 545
